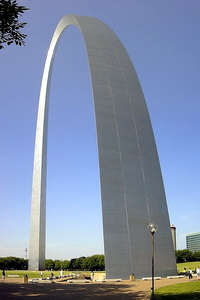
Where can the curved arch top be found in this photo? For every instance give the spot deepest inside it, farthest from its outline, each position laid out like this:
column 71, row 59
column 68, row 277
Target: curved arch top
column 132, row 190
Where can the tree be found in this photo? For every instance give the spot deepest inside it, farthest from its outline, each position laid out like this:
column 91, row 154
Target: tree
column 49, row 264
column 96, row 263
column 85, row 263
column 57, row 265
column 72, row 264
column 101, row 262
column 14, row 263
column 65, row 265
column 80, row 263
column 2, row 263
column 184, row 255
column 10, row 26
column 196, row 256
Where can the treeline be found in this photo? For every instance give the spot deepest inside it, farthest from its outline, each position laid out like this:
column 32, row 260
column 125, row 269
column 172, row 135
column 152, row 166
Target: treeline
column 187, row 256
column 90, row 263
column 13, row 263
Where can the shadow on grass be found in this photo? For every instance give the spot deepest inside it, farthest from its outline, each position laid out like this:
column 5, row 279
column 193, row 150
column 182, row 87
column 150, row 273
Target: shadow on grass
column 51, row 291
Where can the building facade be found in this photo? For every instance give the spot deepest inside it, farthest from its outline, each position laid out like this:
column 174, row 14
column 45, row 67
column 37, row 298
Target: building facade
column 193, row 242
column 132, row 191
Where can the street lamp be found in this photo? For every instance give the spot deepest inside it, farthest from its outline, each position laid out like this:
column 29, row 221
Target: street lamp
column 152, row 228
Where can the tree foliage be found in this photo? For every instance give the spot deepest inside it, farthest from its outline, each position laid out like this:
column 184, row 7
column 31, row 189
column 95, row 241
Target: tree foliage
column 185, row 256
column 196, row 256
column 10, row 26
column 90, row 263
column 49, row 264
column 96, row 263
column 64, row 265
column 13, row 263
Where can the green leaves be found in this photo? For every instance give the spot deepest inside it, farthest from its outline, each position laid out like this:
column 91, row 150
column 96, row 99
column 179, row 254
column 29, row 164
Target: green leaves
column 184, row 255
column 12, row 262
column 10, row 26
column 92, row 263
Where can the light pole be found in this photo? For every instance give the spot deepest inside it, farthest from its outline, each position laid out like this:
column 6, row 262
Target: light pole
column 152, row 228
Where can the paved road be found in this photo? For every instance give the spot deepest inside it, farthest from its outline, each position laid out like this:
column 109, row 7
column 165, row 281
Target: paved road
column 13, row 288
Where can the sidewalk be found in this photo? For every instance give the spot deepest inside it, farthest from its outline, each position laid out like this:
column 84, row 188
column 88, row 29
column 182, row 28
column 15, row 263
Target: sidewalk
column 13, row 288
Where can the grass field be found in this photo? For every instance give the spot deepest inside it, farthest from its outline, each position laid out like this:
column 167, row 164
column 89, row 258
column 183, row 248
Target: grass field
column 183, row 291
column 193, row 265
column 36, row 274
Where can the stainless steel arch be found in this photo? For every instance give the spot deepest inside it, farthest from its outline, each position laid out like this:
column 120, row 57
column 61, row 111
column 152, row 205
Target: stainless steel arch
column 131, row 182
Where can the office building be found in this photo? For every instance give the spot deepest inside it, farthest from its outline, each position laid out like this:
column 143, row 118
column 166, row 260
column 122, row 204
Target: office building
column 193, row 241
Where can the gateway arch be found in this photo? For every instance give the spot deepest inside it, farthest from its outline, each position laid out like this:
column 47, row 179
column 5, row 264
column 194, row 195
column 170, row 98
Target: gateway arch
column 132, row 190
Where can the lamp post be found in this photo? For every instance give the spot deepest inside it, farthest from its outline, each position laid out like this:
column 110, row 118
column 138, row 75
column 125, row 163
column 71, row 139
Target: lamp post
column 152, row 228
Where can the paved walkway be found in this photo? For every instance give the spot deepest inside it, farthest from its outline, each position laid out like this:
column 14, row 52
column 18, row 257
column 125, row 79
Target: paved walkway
column 13, row 288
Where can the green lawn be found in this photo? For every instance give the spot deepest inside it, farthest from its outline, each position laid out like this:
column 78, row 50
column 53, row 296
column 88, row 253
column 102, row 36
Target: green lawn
column 36, row 274
column 193, row 265
column 181, row 291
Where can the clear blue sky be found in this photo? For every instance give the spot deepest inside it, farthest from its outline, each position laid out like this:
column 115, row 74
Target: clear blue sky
column 163, row 41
